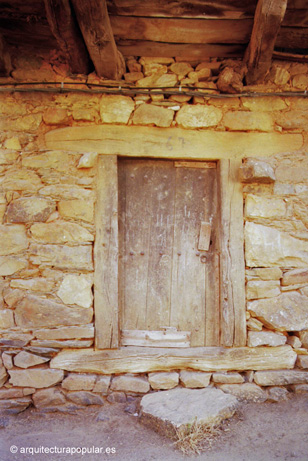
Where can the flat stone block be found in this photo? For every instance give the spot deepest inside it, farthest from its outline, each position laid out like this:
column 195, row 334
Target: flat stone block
column 167, row 411
column 85, row 398
column 102, row 384
column 13, row 239
column 228, row 378
column 48, row 398
column 195, row 379
column 164, row 380
column 265, row 338
column 26, row 360
column 280, row 377
column 277, row 394
column 78, row 382
column 247, row 392
column 35, row 377
column 128, row 383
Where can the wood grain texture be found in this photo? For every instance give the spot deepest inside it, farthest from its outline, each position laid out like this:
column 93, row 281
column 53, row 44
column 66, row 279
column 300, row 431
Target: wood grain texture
column 268, row 18
column 148, row 338
column 232, row 266
column 94, row 23
column 189, row 51
column 106, row 255
column 177, row 143
column 65, row 29
column 216, row 9
column 169, row 30
column 141, row 360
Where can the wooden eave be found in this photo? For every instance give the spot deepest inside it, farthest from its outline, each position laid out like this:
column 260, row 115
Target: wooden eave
column 98, row 32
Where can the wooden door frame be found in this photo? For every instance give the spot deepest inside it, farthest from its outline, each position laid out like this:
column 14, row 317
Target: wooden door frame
column 106, row 247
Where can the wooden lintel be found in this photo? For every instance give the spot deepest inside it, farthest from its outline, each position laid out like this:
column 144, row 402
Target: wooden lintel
column 177, row 143
column 94, row 23
column 5, row 59
column 268, row 18
column 143, row 360
column 66, row 31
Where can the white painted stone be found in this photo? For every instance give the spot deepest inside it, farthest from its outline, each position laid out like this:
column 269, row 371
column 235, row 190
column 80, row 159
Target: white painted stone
column 26, row 360
column 13, row 239
column 88, row 160
column 195, row 379
column 35, row 377
column 280, row 377
column 264, row 207
column 129, row 383
column 267, row 246
column 265, row 338
column 247, row 392
column 169, row 410
column 76, row 289
column 79, row 381
column 163, row 380
column 256, row 289
column 287, row 312
column 116, row 108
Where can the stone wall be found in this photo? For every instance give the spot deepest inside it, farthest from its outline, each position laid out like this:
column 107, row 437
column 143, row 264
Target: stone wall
column 47, row 229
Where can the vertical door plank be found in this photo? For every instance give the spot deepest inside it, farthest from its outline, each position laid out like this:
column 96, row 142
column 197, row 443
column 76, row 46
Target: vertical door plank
column 232, row 267
column 106, row 254
column 135, row 219
column 161, row 245
column 188, row 273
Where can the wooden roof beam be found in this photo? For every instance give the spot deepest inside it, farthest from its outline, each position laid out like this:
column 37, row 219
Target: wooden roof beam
column 65, row 29
column 5, row 59
column 268, row 18
column 94, row 23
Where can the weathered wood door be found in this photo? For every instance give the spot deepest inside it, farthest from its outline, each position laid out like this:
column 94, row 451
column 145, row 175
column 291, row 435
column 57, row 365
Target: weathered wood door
column 168, row 276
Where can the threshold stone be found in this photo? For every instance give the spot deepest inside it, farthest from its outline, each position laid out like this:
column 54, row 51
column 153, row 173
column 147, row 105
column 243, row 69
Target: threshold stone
column 167, row 411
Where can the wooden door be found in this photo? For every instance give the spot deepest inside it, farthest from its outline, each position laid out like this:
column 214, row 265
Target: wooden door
column 166, row 279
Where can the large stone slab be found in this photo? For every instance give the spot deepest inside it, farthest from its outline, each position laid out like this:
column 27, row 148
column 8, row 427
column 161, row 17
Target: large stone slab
column 13, row 239
column 280, row 377
column 34, row 312
column 287, row 312
column 167, row 411
column 267, row 246
column 60, row 232
column 248, row 121
column 62, row 257
column 35, row 377
column 142, row 360
column 30, row 209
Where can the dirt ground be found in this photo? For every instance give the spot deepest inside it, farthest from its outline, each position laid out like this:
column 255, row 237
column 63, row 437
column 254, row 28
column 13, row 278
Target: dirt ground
column 259, row 432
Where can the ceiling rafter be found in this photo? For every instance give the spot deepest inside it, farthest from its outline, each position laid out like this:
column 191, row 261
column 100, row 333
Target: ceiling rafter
column 267, row 21
column 65, row 29
column 5, row 59
column 94, row 23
